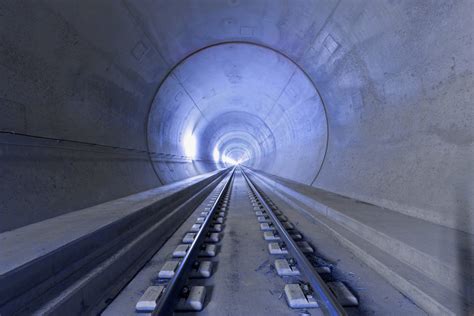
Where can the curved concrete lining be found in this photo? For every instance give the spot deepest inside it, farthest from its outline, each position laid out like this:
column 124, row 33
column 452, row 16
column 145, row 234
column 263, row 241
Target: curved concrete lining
column 98, row 98
column 247, row 88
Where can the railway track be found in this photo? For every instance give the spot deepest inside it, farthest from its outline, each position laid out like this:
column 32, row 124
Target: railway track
column 197, row 254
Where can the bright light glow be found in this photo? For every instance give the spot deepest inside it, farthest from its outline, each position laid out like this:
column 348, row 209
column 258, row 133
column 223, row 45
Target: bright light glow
column 190, row 145
column 216, row 155
column 226, row 159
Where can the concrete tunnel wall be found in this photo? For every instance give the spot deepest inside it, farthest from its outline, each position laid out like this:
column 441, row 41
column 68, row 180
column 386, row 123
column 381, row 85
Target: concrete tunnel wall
column 368, row 99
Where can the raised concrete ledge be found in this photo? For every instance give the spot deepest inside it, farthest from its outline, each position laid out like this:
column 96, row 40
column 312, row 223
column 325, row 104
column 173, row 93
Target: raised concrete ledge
column 429, row 263
column 38, row 239
column 57, row 252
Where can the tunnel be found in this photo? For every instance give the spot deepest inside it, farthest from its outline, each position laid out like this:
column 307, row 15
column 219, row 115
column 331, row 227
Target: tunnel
column 120, row 119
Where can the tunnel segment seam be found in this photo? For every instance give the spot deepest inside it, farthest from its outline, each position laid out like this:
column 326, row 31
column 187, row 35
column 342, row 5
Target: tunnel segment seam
column 196, row 51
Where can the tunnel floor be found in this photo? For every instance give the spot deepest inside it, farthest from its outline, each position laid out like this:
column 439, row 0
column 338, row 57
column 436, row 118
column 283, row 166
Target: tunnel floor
column 244, row 280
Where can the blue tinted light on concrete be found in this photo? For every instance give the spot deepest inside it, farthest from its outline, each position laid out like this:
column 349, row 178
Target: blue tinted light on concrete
column 113, row 98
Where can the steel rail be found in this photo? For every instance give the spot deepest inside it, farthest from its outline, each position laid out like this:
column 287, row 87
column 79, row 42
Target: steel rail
column 331, row 305
column 166, row 303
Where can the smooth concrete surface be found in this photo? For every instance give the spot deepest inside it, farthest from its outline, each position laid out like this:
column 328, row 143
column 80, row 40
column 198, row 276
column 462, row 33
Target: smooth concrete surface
column 240, row 95
column 435, row 260
column 45, row 266
column 39, row 239
column 105, row 84
column 364, row 99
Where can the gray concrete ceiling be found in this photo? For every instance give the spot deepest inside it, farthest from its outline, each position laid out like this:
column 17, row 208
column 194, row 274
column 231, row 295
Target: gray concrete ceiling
column 250, row 92
column 109, row 86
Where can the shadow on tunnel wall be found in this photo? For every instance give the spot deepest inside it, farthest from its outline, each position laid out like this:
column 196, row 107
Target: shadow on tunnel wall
column 465, row 242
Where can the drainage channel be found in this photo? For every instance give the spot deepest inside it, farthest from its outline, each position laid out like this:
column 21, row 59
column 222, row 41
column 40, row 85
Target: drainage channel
column 305, row 288
column 190, row 260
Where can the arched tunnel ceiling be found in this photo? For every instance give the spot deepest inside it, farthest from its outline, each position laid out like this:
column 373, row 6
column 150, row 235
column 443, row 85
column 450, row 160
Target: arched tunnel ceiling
column 82, row 80
column 244, row 88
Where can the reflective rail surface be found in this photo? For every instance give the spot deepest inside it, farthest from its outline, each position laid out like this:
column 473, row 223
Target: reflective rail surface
column 167, row 302
column 330, row 304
